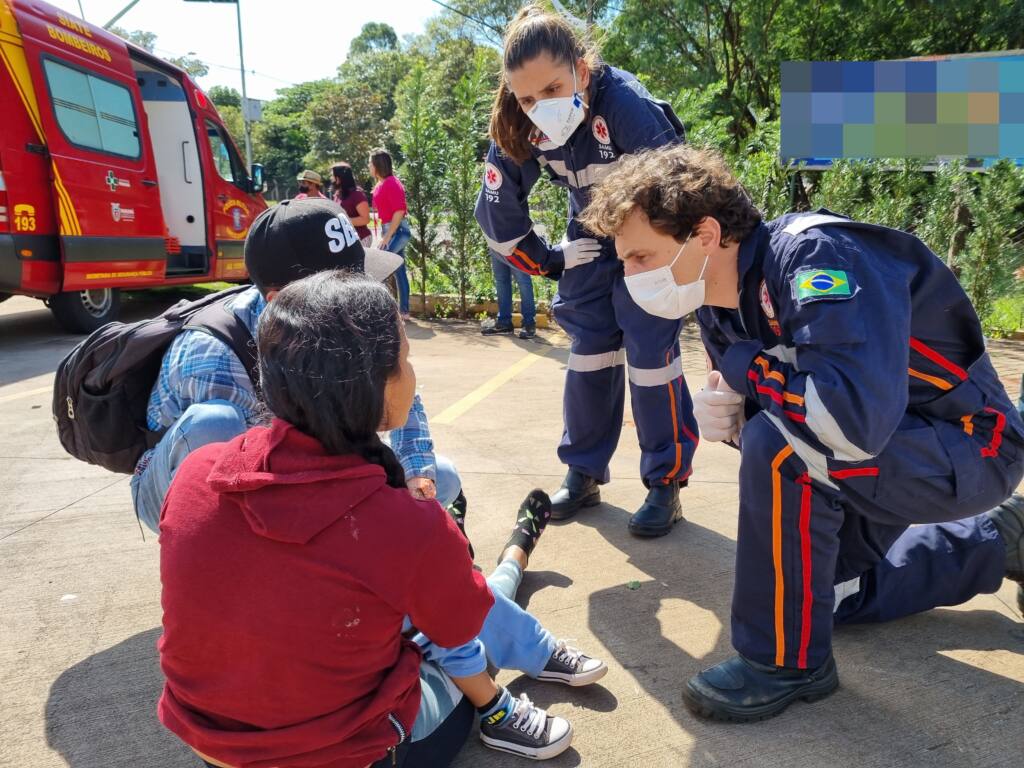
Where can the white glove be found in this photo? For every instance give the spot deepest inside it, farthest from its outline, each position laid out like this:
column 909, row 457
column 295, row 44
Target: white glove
column 718, row 410
column 582, row 251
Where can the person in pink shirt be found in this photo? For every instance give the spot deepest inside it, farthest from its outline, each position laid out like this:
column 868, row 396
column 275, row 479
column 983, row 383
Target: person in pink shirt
column 389, row 199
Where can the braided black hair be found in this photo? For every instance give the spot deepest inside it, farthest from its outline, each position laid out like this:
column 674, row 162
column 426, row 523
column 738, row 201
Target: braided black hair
column 327, row 344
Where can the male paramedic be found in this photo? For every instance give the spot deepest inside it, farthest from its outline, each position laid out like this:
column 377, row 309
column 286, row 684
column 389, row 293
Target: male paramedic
column 851, row 372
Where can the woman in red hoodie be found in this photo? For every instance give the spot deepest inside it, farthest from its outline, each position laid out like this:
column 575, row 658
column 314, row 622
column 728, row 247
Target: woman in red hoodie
column 291, row 556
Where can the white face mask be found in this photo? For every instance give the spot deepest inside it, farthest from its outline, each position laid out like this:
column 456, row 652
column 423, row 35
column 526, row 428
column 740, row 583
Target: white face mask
column 559, row 118
column 656, row 292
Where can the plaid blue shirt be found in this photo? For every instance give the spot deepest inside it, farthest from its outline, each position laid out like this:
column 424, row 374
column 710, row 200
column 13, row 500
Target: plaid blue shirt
column 198, row 368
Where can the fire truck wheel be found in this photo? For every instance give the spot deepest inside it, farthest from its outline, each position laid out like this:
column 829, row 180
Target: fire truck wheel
column 85, row 311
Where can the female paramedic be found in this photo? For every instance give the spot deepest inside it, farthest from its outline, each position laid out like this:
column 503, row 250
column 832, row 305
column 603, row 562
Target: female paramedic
column 559, row 110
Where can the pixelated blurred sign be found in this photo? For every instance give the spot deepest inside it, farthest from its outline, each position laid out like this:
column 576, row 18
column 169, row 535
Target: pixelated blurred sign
column 934, row 109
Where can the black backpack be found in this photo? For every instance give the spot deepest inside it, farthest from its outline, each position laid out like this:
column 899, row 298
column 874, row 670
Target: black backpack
column 103, row 386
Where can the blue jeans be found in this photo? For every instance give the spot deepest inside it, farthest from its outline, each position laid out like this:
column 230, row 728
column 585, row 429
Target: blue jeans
column 397, row 245
column 218, row 421
column 510, row 638
column 503, row 285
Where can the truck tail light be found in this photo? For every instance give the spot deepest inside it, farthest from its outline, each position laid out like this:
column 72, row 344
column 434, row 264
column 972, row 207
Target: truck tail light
column 5, row 214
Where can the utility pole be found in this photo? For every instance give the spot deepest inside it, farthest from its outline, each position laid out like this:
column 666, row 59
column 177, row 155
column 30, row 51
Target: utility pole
column 241, row 62
column 245, row 97
column 116, row 18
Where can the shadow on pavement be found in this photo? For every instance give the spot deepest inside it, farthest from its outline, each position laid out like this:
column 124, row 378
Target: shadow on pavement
column 101, row 713
column 32, row 344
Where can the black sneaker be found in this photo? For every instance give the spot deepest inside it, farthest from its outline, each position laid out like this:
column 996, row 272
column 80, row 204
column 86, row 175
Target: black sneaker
column 493, row 328
column 571, row 666
column 529, row 732
column 528, row 332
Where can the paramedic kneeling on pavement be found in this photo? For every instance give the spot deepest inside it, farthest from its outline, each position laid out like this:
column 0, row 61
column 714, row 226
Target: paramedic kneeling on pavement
column 851, row 371
column 203, row 393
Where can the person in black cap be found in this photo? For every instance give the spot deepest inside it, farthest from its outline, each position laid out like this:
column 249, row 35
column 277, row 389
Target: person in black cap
column 203, row 393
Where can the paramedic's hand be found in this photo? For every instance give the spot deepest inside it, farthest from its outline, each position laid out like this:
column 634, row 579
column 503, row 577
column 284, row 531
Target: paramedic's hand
column 718, row 410
column 422, row 488
column 582, row 251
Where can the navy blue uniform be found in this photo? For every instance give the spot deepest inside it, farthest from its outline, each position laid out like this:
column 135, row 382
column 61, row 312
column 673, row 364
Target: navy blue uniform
column 872, row 405
column 606, row 326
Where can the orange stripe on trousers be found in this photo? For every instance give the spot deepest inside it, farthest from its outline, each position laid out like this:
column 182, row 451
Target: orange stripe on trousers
column 780, row 586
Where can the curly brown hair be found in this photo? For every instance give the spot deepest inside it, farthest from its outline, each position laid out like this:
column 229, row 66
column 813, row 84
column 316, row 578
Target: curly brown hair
column 675, row 186
column 535, row 30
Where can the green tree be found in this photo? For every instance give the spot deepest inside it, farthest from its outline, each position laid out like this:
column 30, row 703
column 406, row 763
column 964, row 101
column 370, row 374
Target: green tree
column 223, row 96
column 549, row 208
column 281, row 140
column 464, row 127
column 992, row 255
column 345, row 121
column 374, row 36
column 419, row 135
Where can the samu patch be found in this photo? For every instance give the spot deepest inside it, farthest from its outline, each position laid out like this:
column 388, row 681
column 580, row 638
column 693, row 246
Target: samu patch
column 817, row 284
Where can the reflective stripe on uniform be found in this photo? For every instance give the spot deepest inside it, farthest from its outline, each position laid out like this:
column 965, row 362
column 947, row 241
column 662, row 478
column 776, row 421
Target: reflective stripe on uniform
column 845, row 589
column 656, row 377
column 783, row 354
column 824, row 425
column 803, row 223
column 592, row 174
column 579, row 179
column 507, row 247
column 817, row 466
column 600, row 361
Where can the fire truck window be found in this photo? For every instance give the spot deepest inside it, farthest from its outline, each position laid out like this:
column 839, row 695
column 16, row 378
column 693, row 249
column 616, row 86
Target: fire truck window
column 221, row 156
column 225, row 158
column 93, row 112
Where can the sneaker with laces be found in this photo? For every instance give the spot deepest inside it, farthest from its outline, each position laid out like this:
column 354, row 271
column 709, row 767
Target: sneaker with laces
column 571, row 666
column 493, row 328
column 528, row 731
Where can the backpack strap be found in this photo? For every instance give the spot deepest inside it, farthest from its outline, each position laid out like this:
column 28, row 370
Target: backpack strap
column 219, row 320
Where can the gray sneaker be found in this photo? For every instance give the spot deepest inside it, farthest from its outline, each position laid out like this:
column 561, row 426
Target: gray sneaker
column 528, row 732
column 571, row 666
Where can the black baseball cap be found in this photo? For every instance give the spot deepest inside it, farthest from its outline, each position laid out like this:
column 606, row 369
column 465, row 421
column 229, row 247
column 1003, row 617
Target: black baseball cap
column 296, row 238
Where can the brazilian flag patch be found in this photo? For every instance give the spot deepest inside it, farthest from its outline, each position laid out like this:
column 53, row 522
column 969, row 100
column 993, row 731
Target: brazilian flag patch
column 811, row 284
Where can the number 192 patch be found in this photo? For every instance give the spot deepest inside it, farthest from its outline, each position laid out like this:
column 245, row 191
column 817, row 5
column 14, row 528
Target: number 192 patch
column 816, row 284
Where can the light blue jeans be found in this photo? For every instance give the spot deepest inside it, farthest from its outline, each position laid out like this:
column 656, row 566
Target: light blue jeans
column 218, row 421
column 510, row 638
column 397, row 245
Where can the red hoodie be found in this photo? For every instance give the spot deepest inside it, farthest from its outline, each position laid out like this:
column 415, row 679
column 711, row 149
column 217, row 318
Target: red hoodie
column 286, row 575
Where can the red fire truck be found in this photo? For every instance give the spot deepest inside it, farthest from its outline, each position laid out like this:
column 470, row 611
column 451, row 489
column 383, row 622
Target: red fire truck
column 115, row 170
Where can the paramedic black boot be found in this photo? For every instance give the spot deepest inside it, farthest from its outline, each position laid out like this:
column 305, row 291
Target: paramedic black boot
column 659, row 512
column 1008, row 519
column 742, row 691
column 577, row 491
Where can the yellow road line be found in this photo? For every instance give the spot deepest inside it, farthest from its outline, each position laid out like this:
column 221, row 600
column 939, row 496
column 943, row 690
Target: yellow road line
column 452, row 412
column 26, row 393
